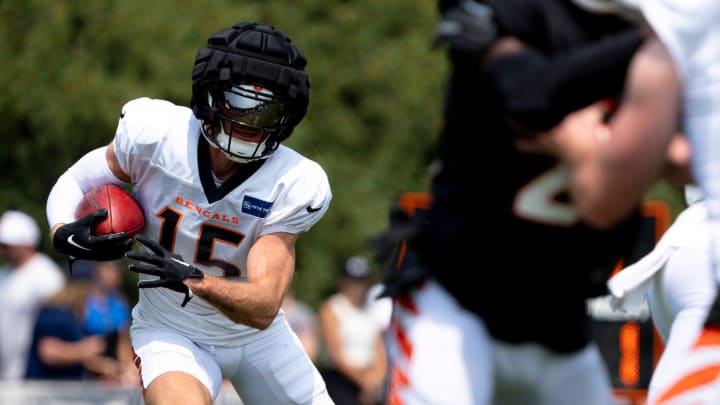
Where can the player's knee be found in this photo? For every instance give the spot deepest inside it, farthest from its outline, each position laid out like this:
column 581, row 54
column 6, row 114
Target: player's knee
column 177, row 388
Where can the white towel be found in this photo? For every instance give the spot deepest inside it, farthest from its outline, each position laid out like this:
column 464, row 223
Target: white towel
column 628, row 287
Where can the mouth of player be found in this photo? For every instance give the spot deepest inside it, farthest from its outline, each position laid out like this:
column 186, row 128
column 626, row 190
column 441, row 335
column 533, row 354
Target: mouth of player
column 245, row 133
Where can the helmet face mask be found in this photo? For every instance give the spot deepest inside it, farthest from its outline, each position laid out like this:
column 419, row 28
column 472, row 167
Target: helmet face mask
column 245, row 111
column 236, row 149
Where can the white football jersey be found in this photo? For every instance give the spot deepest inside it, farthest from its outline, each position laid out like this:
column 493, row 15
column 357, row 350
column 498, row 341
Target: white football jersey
column 156, row 143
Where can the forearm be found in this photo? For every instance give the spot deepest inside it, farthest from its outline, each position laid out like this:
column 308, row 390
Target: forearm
column 255, row 302
column 378, row 370
column 614, row 162
column 104, row 366
column 592, row 184
column 609, row 183
column 608, row 177
column 357, row 375
column 90, row 171
column 55, row 352
column 245, row 303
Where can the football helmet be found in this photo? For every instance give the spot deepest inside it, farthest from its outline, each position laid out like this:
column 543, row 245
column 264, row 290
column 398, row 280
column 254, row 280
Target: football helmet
column 249, row 79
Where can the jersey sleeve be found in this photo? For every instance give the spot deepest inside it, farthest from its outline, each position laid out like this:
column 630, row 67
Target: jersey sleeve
column 137, row 131
column 306, row 200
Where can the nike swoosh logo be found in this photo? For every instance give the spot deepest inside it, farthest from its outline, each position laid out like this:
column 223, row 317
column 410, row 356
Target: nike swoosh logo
column 180, row 262
column 71, row 240
column 311, row 209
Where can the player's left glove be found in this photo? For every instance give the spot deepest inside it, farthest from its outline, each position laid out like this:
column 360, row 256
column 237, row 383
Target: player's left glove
column 171, row 268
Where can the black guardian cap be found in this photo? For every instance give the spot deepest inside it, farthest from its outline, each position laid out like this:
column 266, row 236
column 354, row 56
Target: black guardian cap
column 252, row 54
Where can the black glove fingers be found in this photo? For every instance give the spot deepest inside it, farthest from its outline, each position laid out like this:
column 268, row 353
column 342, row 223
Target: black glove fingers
column 152, row 283
column 109, row 239
column 197, row 273
column 172, row 285
column 128, row 244
column 96, row 216
column 146, row 269
column 107, row 256
column 152, row 245
column 171, row 268
column 187, row 298
column 92, row 218
column 75, row 240
column 178, row 286
column 145, row 257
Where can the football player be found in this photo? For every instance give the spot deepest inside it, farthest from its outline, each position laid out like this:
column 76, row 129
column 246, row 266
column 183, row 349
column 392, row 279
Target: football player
column 519, row 334
column 224, row 203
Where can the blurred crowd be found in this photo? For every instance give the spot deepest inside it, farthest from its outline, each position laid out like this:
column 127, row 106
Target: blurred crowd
column 56, row 324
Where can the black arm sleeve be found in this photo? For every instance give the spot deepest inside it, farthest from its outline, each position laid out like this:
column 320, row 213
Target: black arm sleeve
column 537, row 91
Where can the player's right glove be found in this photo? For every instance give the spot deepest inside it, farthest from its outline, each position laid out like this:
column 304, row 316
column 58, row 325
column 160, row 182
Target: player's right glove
column 76, row 240
column 171, row 268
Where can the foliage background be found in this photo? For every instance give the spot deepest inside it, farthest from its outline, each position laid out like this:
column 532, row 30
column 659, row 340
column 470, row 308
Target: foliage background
column 69, row 66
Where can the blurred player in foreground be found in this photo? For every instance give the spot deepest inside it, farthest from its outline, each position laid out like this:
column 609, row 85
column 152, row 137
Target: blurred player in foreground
column 520, row 334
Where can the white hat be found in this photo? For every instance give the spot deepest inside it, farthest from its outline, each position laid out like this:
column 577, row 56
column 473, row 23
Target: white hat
column 19, row 229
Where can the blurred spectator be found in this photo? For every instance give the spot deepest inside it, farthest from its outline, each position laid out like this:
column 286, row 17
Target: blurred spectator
column 356, row 366
column 60, row 350
column 29, row 278
column 107, row 313
column 304, row 323
column 380, row 309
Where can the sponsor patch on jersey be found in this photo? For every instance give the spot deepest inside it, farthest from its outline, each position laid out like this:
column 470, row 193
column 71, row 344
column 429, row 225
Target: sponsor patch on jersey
column 256, row 207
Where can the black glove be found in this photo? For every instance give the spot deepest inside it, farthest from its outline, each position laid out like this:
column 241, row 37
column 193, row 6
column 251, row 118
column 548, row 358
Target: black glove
column 171, row 268
column 467, row 27
column 76, row 240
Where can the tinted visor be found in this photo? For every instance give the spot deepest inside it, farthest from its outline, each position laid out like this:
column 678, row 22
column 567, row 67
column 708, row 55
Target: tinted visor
column 252, row 105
